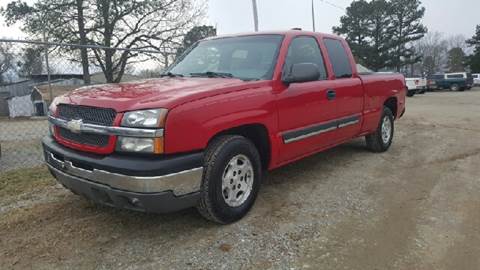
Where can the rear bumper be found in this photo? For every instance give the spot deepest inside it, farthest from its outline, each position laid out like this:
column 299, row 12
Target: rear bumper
column 140, row 183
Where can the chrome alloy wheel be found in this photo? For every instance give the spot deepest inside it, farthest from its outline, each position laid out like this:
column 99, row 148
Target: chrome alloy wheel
column 386, row 129
column 237, row 181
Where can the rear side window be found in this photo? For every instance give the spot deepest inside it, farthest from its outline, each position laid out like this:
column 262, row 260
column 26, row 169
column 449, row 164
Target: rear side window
column 455, row 76
column 339, row 58
column 305, row 50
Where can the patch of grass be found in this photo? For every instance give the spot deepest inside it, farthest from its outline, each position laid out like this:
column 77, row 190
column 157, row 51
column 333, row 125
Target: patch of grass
column 24, row 180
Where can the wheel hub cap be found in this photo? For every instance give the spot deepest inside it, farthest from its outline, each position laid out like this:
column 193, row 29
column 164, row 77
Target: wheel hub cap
column 386, row 129
column 237, row 181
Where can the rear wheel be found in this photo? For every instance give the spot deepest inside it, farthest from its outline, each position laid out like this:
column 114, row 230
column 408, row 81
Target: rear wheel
column 381, row 140
column 231, row 179
column 410, row 93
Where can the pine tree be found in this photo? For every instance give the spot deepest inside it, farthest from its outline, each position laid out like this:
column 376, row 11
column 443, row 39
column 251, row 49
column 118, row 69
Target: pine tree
column 353, row 28
column 406, row 27
column 195, row 34
column 381, row 32
column 474, row 60
column 456, row 60
column 365, row 28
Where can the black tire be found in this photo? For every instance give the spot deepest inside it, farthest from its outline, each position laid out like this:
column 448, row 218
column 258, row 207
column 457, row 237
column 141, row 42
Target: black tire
column 375, row 142
column 454, row 87
column 422, row 91
column 219, row 153
column 410, row 93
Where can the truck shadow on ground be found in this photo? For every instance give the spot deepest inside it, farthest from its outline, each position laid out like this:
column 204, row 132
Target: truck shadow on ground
column 292, row 175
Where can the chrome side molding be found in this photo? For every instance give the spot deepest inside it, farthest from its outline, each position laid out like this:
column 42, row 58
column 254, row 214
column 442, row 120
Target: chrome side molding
column 307, row 132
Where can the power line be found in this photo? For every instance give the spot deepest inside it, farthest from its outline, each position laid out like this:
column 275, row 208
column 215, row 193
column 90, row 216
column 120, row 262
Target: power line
column 333, row 5
column 326, row 2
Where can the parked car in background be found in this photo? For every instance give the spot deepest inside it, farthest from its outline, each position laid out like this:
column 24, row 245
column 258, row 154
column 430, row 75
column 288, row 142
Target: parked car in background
column 476, row 79
column 416, row 85
column 431, row 83
column 206, row 132
column 454, row 81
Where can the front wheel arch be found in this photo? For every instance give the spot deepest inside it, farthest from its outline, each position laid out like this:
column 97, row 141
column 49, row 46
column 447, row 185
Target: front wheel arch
column 257, row 133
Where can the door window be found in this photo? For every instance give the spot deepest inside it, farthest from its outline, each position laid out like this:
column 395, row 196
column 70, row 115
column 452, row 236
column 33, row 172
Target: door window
column 305, row 50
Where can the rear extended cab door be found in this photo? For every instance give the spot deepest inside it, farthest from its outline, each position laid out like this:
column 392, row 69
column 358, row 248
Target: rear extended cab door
column 348, row 89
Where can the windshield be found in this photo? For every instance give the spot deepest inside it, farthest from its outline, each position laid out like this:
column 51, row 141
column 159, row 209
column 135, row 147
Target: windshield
column 246, row 58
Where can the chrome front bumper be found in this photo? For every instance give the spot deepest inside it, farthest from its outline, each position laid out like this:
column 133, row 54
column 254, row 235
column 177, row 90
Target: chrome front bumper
column 180, row 183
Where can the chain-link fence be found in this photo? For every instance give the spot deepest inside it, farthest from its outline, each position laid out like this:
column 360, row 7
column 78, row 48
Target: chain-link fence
column 33, row 73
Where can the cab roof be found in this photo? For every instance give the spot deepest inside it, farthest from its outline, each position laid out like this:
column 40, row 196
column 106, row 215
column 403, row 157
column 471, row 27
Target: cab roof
column 288, row 33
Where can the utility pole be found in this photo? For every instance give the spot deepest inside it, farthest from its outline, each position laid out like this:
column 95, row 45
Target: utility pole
column 255, row 14
column 313, row 16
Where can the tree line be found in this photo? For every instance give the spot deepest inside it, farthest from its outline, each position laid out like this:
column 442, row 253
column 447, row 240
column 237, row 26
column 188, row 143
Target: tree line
column 155, row 25
column 389, row 35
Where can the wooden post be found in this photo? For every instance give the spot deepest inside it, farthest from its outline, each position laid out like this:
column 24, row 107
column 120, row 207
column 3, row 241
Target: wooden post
column 48, row 68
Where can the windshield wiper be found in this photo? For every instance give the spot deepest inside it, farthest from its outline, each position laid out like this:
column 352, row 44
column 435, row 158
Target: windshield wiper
column 212, row 74
column 171, row 75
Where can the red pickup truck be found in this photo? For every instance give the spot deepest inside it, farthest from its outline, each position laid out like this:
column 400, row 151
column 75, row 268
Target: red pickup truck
column 228, row 110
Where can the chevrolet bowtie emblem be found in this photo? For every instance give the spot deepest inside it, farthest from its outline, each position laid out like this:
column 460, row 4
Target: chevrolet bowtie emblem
column 75, row 126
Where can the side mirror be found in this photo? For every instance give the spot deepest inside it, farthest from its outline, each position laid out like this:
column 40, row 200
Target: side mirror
column 302, row 72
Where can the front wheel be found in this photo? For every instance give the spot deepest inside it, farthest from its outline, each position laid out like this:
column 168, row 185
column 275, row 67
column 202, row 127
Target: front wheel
column 231, row 179
column 454, row 87
column 381, row 140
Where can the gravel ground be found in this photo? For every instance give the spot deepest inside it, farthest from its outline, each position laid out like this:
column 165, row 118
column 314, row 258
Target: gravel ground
column 20, row 140
column 414, row 207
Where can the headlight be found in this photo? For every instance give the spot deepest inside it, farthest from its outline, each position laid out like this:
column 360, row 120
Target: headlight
column 140, row 145
column 52, row 109
column 154, row 118
column 51, row 112
column 145, row 118
column 51, row 128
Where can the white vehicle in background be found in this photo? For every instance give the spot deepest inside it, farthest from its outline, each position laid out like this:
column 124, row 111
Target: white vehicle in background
column 476, row 79
column 416, row 85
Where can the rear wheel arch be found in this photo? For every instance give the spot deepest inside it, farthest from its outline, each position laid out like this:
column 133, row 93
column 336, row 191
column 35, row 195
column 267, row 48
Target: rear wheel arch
column 392, row 104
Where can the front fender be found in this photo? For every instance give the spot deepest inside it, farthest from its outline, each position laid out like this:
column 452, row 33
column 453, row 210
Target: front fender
column 191, row 126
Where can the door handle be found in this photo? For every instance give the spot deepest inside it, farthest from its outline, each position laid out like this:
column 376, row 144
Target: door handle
column 331, row 94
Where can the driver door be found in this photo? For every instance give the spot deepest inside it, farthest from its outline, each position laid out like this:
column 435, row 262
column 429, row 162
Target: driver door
column 306, row 110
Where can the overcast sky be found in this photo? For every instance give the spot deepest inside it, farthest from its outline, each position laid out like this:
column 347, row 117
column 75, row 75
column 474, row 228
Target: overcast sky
column 231, row 16
column 449, row 16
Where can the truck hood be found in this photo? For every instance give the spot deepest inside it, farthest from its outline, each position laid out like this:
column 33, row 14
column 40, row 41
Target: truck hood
column 152, row 93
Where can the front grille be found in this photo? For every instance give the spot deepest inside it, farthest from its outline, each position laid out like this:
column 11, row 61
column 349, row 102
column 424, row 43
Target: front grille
column 89, row 115
column 84, row 138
